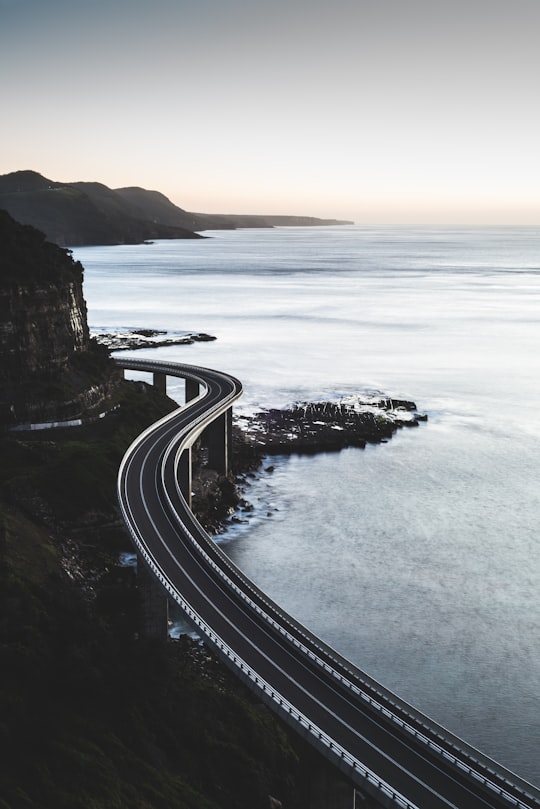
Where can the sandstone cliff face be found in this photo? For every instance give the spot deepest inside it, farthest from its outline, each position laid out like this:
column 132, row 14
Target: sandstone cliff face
column 50, row 369
column 40, row 328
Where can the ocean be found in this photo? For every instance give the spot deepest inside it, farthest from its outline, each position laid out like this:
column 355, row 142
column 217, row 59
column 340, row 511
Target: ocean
column 417, row 559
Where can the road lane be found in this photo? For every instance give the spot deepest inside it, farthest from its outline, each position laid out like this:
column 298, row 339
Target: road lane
column 289, row 658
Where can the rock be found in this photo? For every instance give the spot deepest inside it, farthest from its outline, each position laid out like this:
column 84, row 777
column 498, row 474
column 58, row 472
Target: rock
column 132, row 339
column 50, row 368
column 322, row 426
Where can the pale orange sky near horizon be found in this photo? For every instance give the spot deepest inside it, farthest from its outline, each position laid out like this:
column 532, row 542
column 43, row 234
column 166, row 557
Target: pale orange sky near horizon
column 379, row 112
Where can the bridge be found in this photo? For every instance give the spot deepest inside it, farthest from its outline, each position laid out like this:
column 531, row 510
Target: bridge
column 381, row 745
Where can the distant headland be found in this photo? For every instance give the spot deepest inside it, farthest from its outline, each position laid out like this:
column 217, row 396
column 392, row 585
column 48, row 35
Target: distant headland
column 90, row 213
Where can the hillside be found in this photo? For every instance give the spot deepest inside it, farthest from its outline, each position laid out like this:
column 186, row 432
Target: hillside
column 27, row 258
column 92, row 716
column 77, row 214
column 158, row 208
column 90, row 213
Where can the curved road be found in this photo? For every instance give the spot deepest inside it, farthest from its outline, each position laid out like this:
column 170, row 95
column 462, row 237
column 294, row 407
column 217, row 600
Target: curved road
column 381, row 744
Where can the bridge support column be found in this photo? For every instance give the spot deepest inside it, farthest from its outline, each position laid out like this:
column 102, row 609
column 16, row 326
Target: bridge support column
column 323, row 786
column 153, row 605
column 219, row 441
column 184, row 475
column 325, row 789
column 192, row 389
column 160, row 381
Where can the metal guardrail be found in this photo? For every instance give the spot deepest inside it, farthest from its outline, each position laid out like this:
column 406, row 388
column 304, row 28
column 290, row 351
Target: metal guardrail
column 177, row 445
column 247, row 672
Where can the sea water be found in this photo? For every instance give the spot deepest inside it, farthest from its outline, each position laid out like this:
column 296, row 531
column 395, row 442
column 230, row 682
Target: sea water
column 417, row 559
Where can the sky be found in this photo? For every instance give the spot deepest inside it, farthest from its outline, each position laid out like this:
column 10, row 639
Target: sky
column 378, row 111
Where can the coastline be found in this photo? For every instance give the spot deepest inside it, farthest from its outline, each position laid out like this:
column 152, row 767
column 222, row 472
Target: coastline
column 302, row 428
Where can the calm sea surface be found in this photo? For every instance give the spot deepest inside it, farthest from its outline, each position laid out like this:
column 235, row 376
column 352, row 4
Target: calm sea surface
column 417, row 559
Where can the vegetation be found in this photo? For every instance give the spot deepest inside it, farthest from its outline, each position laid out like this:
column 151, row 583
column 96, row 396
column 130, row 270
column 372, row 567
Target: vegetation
column 91, row 213
column 91, row 717
column 18, row 265
column 80, row 213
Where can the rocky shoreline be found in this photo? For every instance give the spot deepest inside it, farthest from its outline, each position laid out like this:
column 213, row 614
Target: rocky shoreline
column 132, row 339
column 305, row 427
column 324, row 426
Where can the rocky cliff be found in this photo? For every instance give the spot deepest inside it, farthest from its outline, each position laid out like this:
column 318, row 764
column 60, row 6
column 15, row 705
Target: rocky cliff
column 50, row 369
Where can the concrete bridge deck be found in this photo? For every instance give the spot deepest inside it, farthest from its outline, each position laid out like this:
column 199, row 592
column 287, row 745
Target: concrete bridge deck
column 380, row 744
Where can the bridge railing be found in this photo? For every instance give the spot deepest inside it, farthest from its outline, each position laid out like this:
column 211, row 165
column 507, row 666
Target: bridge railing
column 322, row 654
column 442, row 750
column 288, row 710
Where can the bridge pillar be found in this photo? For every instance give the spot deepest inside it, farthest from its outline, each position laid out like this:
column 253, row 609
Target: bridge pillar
column 218, row 437
column 322, row 785
column 153, row 605
column 192, row 389
column 160, row 381
column 328, row 791
column 184, row 475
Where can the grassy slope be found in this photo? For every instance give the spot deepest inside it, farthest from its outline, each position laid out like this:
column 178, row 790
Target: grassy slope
column 91, row 717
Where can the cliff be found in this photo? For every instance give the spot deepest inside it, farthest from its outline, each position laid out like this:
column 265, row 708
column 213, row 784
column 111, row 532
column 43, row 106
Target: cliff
column 87, row 213
column 50, row 369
